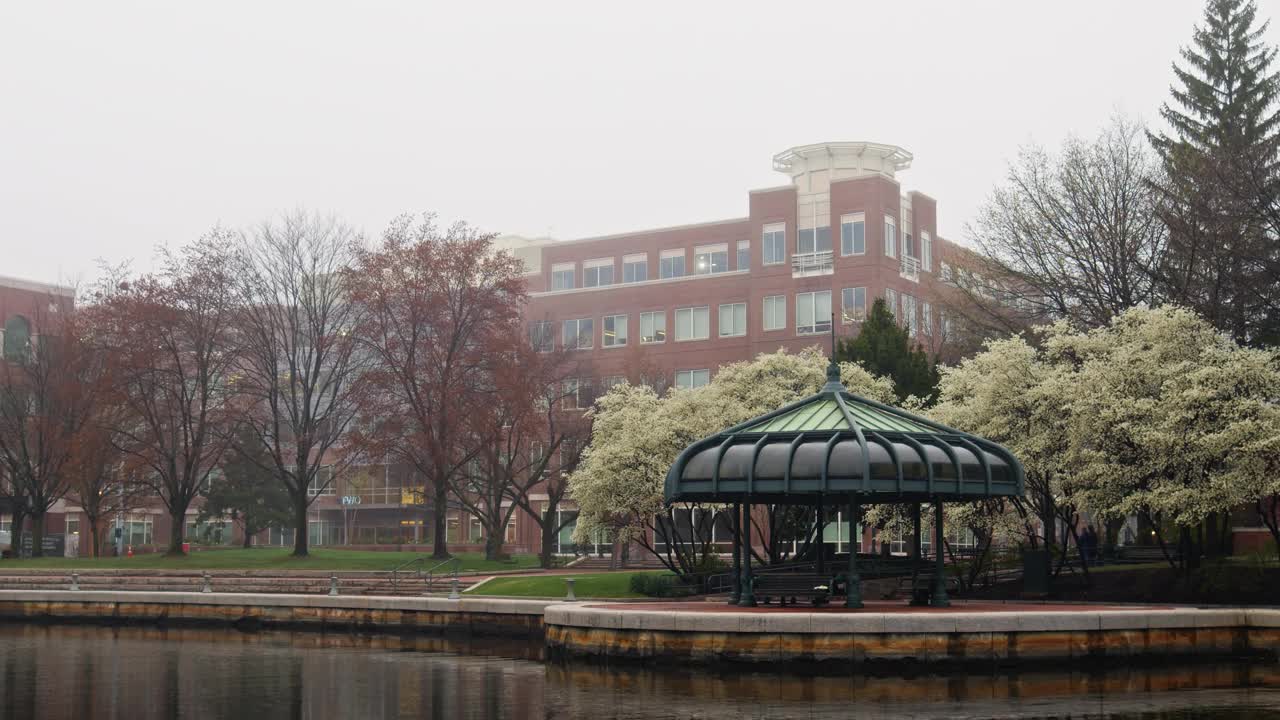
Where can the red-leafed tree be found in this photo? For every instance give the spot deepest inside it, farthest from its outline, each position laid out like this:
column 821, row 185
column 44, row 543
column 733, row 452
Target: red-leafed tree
column 49, row 390
column 301, row 366
column 555, row 430
column 100, row 487
column 171, row 340
column 438, row 304
column 527, row 444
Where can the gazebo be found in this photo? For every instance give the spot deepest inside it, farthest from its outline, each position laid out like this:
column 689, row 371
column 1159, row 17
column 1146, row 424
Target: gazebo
column 833, row 448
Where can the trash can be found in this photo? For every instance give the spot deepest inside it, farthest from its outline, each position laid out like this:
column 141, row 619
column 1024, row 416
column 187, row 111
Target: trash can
column 186, row 548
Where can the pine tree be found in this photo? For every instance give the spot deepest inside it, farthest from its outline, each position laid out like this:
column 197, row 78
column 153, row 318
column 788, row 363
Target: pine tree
column 1219, row 175
column 246, row 493
column 885, row 348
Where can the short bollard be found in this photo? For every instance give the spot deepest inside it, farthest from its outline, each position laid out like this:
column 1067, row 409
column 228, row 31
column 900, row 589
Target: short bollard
column 570, row 596
column 453, row 590
column 75, row 581
column 207, row 587
column 333, row 586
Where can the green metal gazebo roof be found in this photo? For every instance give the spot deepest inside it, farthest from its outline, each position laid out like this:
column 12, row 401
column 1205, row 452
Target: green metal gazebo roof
column 837, row 444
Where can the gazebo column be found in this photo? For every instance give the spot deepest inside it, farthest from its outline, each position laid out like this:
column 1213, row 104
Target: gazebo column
column 822, row 548
column 737, row 554
column 915, row 534
column 853, row 593
column 747, row 597
column 939, row 597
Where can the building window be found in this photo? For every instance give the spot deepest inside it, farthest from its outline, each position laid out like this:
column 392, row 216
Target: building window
column 322, row 482
column 612, row 381
column 635, row 268
column 689, row 379
column 853, row 305
column 540, row 336
column 744, row 255
column 774, row 242
column 908, row 249
column 577, row 394
column 671, row 265
column 615, row 331
column 578, row 334
column 813, row 312
column 926, row 318
column 708, row 259
column 596, row 273
column 775, row 312
column 562, row 276
column 890, row 236
column 946, row 273
column 138, row 530
column 909, row 314
column 853, row 234
column 653, row 327
column 926, row 252
column 693, row 323
column 733, row 320
column 891, row 300
column 807, row 243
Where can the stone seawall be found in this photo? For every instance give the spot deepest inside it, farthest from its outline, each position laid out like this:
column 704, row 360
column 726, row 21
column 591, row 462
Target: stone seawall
column 1077, row 637
column 703, row 633
column 477, row 616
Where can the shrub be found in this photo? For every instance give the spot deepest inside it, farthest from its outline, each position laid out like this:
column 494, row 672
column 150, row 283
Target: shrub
column 659, row 586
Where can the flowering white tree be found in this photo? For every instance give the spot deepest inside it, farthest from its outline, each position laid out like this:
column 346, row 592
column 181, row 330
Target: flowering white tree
column 1170, row 420
column 637, row 435
column 1015, row 395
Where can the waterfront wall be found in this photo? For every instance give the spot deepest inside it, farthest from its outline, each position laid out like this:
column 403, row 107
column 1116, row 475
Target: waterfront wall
column 698, row 633
column 988, row 637
column 477, row 616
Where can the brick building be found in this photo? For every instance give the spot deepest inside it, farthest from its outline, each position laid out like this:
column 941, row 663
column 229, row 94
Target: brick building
column 676, row 303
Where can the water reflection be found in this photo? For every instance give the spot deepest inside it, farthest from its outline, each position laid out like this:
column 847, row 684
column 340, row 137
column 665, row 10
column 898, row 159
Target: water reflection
column 136, row 673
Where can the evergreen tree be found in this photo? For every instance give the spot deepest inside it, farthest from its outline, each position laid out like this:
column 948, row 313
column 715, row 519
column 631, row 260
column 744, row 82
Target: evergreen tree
column 247, row 493
column 885, row 348
column 1218, row 193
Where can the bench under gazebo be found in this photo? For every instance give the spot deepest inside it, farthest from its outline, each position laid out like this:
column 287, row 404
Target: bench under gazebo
column 836, row 448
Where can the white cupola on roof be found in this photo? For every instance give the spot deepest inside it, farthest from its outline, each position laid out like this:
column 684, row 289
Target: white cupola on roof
column 813, row 167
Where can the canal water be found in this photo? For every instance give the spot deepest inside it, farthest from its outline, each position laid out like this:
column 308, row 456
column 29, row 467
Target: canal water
column 83, row 672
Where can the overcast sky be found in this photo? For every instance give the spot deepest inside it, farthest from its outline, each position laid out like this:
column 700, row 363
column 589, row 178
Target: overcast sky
column 124, row 125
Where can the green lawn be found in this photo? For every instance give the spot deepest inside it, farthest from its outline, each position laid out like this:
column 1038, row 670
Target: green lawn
column 268, row 559
column 594, row 585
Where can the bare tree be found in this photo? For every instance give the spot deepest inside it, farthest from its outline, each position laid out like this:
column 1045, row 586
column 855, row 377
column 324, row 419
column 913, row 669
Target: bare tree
column 441, row 308
column 169, row 338
column 99, row 484
column 534, row 442
column 301, row 365
column 1072, row 235
column 49, row 391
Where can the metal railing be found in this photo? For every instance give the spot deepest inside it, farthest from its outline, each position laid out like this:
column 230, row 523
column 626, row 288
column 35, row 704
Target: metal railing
column 414, row 568
column 814, row 263
column 910, row 268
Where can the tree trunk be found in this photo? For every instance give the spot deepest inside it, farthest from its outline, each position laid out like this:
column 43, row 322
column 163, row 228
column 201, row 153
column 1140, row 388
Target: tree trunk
column 15, row 531
column 440, row 513
column 300, row 525
column 549, row 531
column 177, row 530
column 493, row 545
column 248, row 538
column 37, row 534
column 95, row 546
